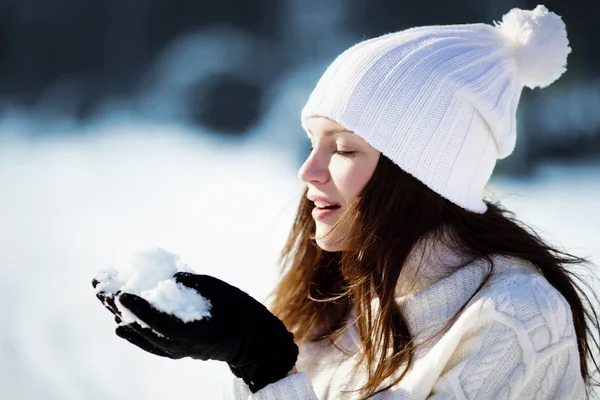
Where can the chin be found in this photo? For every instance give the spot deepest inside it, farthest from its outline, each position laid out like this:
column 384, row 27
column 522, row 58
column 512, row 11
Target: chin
column 326, row 242
column 329, row 245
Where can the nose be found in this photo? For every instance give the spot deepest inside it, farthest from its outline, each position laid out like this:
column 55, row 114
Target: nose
column 315, row 169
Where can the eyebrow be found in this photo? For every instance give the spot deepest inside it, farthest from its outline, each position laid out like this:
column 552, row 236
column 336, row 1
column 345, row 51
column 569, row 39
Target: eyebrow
column 329, row 132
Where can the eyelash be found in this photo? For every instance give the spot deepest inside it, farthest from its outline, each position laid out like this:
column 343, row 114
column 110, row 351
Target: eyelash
column 338, row 152
column 344, row 153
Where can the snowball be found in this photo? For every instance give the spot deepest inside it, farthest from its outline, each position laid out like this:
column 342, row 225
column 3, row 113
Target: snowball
column 149, row 274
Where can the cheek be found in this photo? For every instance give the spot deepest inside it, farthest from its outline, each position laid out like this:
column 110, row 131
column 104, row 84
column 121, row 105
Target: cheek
column 351, row 179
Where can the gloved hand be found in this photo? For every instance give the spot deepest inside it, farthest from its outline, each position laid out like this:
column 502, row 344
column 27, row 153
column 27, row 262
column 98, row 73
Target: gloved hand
column 126, row 331
column 241, row 331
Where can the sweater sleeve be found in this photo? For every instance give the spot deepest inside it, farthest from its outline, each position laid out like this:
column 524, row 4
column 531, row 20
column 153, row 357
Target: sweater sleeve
column 292, row 387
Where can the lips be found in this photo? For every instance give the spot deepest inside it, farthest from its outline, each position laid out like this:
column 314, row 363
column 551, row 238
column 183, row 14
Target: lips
column 323, row 213
column 323, row 207
column 322, row 202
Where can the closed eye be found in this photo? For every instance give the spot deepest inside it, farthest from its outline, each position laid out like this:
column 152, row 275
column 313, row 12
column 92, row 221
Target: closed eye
column 345, row 153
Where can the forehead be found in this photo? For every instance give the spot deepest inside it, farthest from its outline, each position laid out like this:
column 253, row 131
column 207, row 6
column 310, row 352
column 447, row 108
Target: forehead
column 321, row 126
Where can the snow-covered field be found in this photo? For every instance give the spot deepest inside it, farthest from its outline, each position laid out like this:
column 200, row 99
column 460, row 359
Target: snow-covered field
column 72, row 205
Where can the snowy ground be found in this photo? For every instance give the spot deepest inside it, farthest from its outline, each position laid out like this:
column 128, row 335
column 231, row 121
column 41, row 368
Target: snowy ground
column 72, row 206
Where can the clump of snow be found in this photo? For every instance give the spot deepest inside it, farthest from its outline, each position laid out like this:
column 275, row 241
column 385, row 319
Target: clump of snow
column 149, row 274
column 176, row 299
column 109, row 281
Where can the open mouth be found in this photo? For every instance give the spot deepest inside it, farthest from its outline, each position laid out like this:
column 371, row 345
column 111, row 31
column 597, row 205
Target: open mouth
column 331, row 207
column 322, row 210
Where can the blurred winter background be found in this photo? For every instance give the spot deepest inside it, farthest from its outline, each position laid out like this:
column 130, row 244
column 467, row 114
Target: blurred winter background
column 136, row 122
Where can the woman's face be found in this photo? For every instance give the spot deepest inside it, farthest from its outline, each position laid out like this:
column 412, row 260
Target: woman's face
column 337, row 169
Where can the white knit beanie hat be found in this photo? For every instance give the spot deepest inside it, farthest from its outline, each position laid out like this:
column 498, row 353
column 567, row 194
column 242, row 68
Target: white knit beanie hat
column 440, row 101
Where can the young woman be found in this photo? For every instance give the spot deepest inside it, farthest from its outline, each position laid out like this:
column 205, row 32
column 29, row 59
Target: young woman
column 401, row 281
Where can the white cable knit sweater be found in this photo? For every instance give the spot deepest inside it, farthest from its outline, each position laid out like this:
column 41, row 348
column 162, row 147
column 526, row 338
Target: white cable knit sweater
column 515, row 340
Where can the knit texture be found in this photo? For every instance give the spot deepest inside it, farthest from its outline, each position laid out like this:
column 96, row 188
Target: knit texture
column 441, row 101
column 515, row 340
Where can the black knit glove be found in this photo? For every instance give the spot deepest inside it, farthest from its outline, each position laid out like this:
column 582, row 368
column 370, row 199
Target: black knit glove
column 241, row 331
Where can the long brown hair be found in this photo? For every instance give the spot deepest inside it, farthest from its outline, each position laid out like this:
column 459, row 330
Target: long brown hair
column 393, row 212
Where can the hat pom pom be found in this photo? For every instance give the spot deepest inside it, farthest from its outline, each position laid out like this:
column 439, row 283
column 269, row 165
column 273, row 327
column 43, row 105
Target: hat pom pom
column 540, row 38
